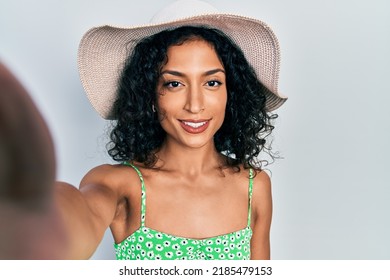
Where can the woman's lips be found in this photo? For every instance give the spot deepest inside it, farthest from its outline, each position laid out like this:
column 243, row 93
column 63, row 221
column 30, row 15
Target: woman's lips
column 194, row 126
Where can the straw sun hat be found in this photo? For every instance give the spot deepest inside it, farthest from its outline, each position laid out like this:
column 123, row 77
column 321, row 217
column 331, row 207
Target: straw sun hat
column 104, row 49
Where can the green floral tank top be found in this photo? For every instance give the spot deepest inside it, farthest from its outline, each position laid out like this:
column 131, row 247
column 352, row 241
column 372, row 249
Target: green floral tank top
column 148, row 244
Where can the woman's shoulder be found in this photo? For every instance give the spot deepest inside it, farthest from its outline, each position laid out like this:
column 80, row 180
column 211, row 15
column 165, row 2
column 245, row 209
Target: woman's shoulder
column 257, row 178
column 261, row 179
column 261, row 192
column 111, row 176
column 258, row 175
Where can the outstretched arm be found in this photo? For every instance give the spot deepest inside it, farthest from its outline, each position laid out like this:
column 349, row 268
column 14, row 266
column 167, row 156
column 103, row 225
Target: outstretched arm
column 41, row 218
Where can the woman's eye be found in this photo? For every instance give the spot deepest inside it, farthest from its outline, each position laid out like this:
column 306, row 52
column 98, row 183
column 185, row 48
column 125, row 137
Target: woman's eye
column 172, row 84
column 213, row 83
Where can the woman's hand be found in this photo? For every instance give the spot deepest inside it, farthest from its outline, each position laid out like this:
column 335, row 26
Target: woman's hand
column 28, row 221
column 41, row 218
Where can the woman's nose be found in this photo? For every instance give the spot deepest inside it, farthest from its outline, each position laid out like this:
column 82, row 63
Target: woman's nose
column 195, row 100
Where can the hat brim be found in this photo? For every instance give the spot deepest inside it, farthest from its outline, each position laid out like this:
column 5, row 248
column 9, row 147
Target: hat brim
column 103, row 51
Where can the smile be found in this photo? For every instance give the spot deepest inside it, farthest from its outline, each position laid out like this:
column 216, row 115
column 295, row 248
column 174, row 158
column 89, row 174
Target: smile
column 194, row 127
column 194, row 124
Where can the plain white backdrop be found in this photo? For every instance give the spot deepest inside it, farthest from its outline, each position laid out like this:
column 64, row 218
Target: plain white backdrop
column 332, row 189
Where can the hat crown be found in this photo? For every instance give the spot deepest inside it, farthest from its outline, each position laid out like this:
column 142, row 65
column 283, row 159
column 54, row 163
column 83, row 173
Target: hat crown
column 183, row 9
column 104, row 49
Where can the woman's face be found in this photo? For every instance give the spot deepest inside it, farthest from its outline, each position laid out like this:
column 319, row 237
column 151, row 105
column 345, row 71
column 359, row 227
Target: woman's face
column 192, row 94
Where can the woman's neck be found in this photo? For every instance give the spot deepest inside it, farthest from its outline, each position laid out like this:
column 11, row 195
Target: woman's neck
column 183, row 159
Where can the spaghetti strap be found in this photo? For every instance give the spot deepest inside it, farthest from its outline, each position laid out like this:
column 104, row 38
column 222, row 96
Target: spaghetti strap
column 143, row 192
column 250, row 196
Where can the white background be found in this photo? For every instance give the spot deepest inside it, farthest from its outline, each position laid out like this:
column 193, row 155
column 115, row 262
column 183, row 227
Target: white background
column 331, row 190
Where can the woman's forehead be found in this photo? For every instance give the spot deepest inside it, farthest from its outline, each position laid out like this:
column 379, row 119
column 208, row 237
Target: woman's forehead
column 193, row 55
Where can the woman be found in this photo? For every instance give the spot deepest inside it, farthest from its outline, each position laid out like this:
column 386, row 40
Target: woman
column 191, row 117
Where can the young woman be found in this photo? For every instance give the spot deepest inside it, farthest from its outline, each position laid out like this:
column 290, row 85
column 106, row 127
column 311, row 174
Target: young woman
column 191, row 114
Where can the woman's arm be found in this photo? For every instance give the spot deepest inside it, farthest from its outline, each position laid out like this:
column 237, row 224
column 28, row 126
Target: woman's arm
column 85, row 214
column 262, row 216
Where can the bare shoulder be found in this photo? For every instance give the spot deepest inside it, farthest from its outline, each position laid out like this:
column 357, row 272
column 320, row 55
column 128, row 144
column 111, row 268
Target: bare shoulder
column 100, row 174
column 261, row 180
column 117, row 183
column 262, row 193
column 106, row 188
column 113, row 177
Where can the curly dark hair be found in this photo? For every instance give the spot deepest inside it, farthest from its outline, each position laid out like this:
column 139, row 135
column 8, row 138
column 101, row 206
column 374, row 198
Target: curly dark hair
column 137, row 134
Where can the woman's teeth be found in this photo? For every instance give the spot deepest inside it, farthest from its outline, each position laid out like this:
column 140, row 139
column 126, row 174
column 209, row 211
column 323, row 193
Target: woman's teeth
column 194, row 125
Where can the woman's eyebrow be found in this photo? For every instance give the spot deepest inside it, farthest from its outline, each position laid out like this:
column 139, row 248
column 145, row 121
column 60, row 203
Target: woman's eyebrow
column 172, row 72
column 180, row 74
column 213, row 71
